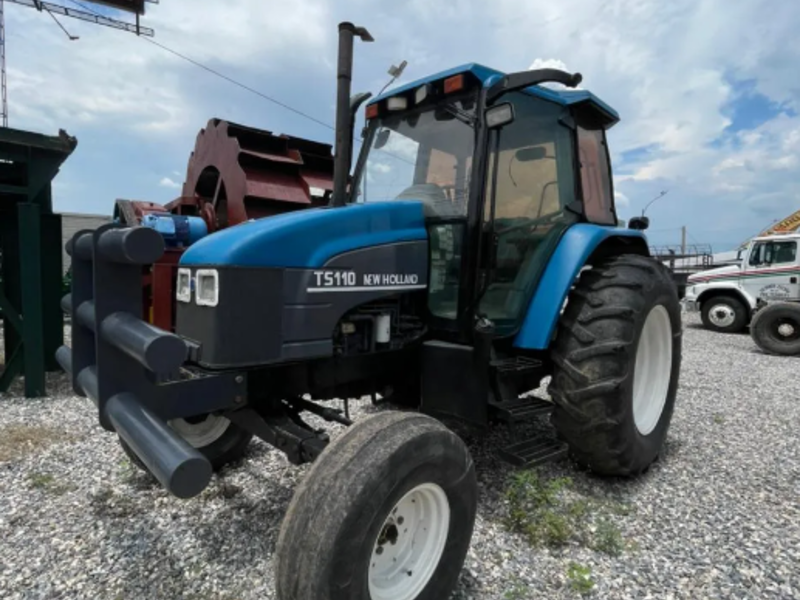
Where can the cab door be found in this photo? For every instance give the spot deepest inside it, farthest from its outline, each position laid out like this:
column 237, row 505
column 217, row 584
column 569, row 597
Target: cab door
column 530, row 182
column 772, row 272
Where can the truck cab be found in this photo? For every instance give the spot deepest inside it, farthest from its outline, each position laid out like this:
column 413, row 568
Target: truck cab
column 727, row 297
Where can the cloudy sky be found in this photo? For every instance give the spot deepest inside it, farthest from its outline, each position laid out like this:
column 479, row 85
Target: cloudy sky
column 708, row 90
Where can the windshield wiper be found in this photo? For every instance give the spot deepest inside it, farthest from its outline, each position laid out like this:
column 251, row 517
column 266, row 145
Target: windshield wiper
column 460, row 114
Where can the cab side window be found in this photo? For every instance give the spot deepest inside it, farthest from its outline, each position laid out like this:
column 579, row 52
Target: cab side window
column 773, row 253
column 595, row 179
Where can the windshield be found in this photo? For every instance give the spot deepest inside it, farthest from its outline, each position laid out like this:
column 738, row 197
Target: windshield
column 421, row 155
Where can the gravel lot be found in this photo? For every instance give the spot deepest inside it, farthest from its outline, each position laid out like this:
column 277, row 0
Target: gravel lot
column 718, row 517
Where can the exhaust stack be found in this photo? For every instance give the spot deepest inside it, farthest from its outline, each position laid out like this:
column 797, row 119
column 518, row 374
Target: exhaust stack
column 344, row 122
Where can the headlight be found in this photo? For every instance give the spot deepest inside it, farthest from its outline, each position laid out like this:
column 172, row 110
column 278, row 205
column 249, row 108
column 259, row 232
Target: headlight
column 183, row 292
column 207, row 293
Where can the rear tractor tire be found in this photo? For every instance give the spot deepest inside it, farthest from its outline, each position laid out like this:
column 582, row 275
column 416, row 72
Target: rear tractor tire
column 216, row 437
column 776, row 329
column 386, row 512
column 724, row 314
column 617, row 357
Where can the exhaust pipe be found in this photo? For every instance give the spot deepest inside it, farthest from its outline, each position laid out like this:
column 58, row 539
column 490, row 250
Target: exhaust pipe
column 344, row 121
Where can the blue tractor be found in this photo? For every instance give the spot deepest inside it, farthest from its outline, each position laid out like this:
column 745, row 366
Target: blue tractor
column 473, row 252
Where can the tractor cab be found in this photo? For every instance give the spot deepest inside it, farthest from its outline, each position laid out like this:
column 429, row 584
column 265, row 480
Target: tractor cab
column 502, row 168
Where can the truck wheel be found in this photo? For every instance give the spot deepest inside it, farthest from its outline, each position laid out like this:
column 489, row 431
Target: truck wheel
column 617, row 360
column 724, row 314
column 386, row 512
column 219, row 440
column 776, row 329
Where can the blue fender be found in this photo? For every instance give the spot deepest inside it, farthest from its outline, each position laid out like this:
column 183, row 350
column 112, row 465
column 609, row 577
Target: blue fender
column 309, row 238
column 571, row 254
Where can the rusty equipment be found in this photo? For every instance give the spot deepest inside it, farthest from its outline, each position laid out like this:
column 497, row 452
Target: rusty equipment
column 235, row 173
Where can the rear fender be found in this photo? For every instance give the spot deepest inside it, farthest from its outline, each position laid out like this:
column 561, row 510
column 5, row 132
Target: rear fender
column 581, row 245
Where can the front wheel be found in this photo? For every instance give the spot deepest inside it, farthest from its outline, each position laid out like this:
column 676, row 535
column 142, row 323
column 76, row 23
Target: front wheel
column 216, row 437
column 617, row 358
column 776, row 329
column 386, row 512
column 724, row 314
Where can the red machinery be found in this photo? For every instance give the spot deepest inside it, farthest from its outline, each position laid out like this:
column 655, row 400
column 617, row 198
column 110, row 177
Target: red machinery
column 235, row 174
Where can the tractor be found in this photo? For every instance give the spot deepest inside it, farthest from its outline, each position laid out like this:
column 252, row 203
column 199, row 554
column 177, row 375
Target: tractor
column 473, row 252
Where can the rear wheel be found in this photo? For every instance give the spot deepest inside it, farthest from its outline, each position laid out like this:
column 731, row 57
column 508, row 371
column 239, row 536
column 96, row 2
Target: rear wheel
column 216, row 437
column 386, row 512
column 724, row 314
column 617, row 359
column 776, row 329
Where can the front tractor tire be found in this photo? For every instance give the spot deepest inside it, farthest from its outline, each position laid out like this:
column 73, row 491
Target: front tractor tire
column 617, row 357
column 386, row 512
column 215, row 437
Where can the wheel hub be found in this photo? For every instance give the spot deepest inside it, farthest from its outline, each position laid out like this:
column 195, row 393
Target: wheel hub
column 410, row 544
column 786, row 330
column 722, row 315
column 200, row 432
column 653, row 370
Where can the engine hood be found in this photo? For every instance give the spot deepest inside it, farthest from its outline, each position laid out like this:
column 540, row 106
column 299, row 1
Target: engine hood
column 310, row 238
column 705, row 276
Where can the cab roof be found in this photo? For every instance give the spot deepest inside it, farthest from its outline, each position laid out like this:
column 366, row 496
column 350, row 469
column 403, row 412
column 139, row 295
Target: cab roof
column 488, row 76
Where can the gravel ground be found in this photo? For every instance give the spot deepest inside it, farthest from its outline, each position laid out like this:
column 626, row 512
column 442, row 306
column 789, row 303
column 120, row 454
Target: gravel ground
column 717, row 517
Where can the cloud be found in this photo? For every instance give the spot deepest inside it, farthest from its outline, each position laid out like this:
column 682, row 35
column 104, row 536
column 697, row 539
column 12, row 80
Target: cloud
column 673, row 70
column 552, row 63
column 169, row 183
column 621, row 200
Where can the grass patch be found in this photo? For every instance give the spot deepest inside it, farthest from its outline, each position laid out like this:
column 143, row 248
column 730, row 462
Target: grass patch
column 539, row 509
column 608, row 538
column 580, row 578
column 719, row 419
column 48, row 483
column 17, row 441
column 550, row 513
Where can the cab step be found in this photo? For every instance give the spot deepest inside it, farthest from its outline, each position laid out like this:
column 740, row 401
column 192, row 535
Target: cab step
column 521, row 409
column 534, row 452
column 516, row 365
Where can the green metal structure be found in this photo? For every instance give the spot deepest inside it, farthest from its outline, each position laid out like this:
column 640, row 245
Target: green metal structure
column 30, row 263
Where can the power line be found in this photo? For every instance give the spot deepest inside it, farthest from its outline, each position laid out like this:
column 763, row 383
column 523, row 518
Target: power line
column 221, row 75
column 242, row 85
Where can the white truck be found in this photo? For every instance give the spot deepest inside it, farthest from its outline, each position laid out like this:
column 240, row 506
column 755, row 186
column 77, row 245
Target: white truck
column 768, row 271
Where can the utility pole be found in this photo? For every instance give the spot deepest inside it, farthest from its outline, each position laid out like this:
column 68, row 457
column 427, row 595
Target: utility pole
column 683, row 240
column 4, row 101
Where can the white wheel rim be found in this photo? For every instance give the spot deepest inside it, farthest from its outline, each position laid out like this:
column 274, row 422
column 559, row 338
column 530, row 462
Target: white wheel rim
column 722, row 315
column 410, row 544
column 202, row 434
column 653, row 370
column 786, row 329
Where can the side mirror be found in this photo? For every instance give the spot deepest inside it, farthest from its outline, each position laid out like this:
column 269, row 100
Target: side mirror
column 639, row 223
column 382, row 138
column 500, row 115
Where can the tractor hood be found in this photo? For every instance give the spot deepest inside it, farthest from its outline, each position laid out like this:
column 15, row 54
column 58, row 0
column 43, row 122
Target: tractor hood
column 309, row 238
column 704, row 276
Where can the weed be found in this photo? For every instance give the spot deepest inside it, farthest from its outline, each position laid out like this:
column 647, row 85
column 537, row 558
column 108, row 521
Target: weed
column 18, row 440
column 550, row 513
column 608, row 538
column 580, row 578
column 719, row 419
column 538, row 509
column 47, row 483
column 517, row 591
